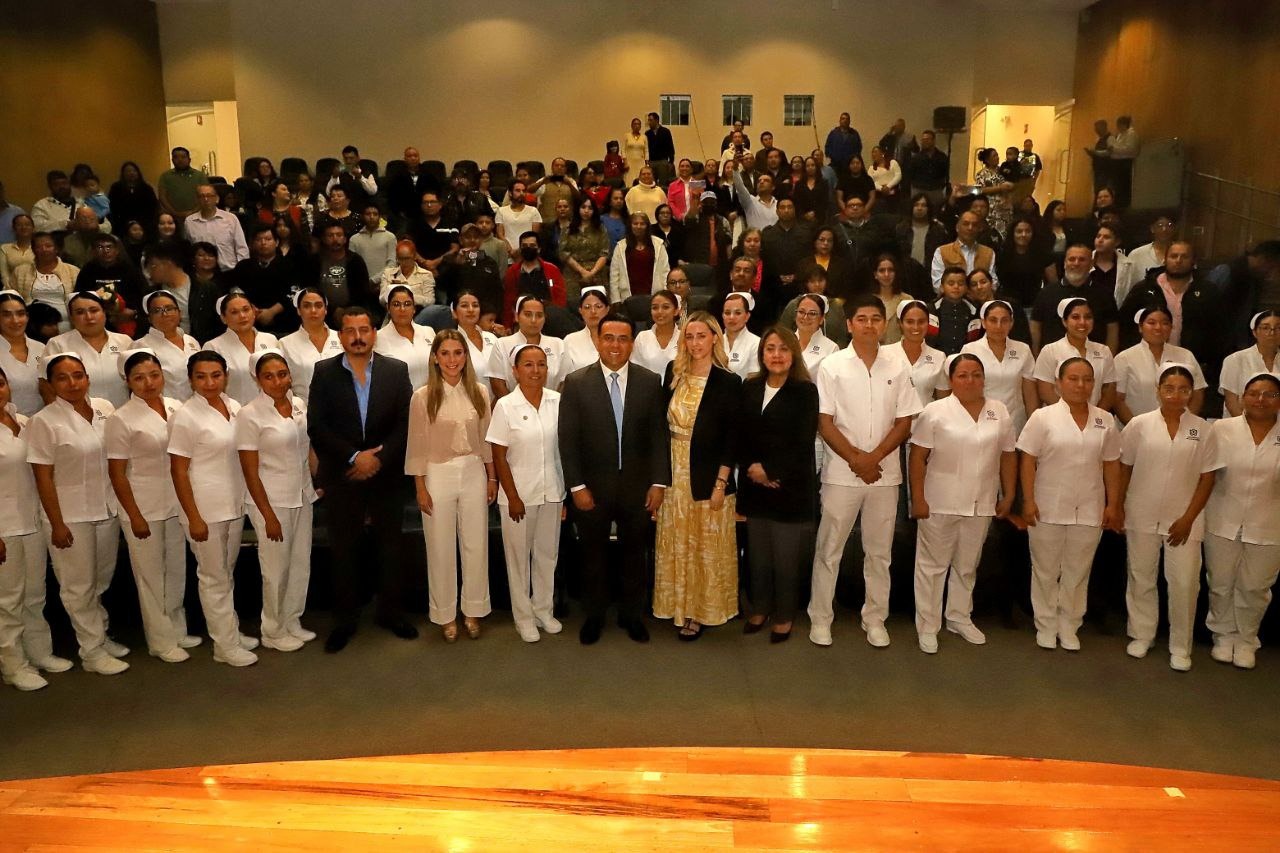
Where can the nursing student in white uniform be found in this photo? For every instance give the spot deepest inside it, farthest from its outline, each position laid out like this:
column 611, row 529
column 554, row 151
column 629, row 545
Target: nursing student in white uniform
column 865, row 406
column 1139, row 367
column 811, row 312
column 526, row 456
column 1167, row 460
column 1077, row 317
column 454, row 479
column 742, row 347
column 277, row 463
column 656, row 346
column 98, row 350
column 241, row 340
column 66, row 449
column 927, row 364
column 1008, row 365
column 1259, row 358
column 210, row 488
column 19, row 354
column 580, row 347
column 402, row 338
column 482, row 346
column 137, row 437
column 531, row 317
column 25, row 644
column 166, row 340
column 1070, row 471
column 963, row 470
column 1242, row 548
column 313, row 341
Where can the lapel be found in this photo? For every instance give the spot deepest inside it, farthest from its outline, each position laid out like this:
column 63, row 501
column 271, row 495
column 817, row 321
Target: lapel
column 758, row 398
column 346, row 393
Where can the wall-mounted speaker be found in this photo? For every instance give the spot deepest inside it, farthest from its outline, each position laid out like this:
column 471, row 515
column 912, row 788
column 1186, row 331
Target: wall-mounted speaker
column 950, row 119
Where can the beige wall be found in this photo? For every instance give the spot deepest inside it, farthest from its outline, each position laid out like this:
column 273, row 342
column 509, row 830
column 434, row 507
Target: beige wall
column 195, row 45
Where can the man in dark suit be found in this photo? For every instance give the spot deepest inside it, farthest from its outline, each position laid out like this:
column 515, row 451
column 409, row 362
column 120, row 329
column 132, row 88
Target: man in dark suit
column 358, row 421
column 615, row 450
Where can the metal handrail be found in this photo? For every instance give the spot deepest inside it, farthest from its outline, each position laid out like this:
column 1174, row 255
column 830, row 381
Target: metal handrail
column 1244, row 186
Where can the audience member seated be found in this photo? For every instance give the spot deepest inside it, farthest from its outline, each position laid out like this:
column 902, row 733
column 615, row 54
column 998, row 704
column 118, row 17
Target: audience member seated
column 339, row 274
column 269, row 281
column 110, row 273
column 1077, row 282
column 197, row 299
column 359, row 187
column 132, row 199
column 375, row 244
column 338, row 212
column 436, row 241
column 533, row 276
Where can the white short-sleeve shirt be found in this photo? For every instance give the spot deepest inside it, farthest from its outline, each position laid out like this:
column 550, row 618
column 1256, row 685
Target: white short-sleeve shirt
column 1104, row 370
column 241, row 385
column 486, row 359
column 173, row 361
column 1239, row 367
column 864, row 403
column 648, row 353
column 963, row 473
column 57, row 435
column 19, row 504
column 552, row 346
column 820, row 346
column 24, row 377
column 1004, row 376
column 136, row 432
column 579, row 351
column 744, row 354
column 1166, row 470
column 1138, row 371
column 103, row 367
column 302, row 356
column 1245, row 504
column 928, row 372
column 200, row 433
column 533, row 452
column 283, row 447
column 416, row 353
column 1069, row 484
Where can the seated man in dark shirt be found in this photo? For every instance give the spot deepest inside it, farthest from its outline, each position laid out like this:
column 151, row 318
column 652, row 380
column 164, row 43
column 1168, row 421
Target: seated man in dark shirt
column 269, row 281
column 1077, row 281
column 436, row 240
column 108, row 271
column 340, row 274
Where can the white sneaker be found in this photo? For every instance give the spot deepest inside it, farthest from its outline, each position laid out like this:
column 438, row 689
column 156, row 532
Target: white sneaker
column 551, row 625
column 1244, row 656
column 1137, row 649
column 248, row 643
column 820, row 635
column 877, row 635
column 25, row 679
column 1046, row 639
column 52, row 663
column 1181, row 663
column 1223, row 650
column 116, row 650
column 528, row 633
column 175, row 655
column 928, row 644
column 1070, row 641
column 302, row 634
column 189, row 641
column 287, row 643
column 968, row 632
column 235, row 657
column 104, row 665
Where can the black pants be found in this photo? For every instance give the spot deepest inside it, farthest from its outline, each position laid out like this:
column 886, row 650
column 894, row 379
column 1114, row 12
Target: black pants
column 381, row 500
column 593, row 536
column 780, row 553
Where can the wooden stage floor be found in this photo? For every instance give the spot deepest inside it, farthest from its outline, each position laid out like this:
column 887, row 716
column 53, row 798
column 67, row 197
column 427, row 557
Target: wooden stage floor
column 646, row 799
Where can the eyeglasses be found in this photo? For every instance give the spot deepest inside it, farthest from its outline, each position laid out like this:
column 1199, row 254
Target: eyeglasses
column 1267, row 330
column 809, row 314
column 1262, row 395
column 400, row 303
column 1176, row 392
column 162, row 310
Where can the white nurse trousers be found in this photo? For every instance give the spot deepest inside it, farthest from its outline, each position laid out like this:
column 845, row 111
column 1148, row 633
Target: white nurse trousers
column 1240, row 578
column 942, row 542
column 160, row 573
column 1181, row 575
column 841, row 507
column 1061, row 559
column 286, row 569
column 459, row 520
column 84, row 571
column 215, row 565
column 24, row 635
column 531, row 547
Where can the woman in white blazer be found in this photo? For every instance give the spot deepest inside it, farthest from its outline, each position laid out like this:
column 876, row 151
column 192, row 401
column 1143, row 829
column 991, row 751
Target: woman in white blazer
column 639, row 246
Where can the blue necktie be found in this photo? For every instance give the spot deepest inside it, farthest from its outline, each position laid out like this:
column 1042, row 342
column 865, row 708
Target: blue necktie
column 615, row 397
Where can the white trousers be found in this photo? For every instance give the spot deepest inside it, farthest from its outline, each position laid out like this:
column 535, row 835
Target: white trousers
column 1181, row 575
column 1240, row 578
column 215, row 565
column 160, row 573
column 841, row 506
column 286, row 569
column 84, row 572
column 531, row 547
column 24, row 635
column 459, row 520
column 1061, row 559
column 942, row 542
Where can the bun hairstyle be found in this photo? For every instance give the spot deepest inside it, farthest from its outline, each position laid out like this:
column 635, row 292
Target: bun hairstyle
column 132, row 358
column 1144, row 313
column 263, row 355
column 1176, row 370
column 748, row 299
column 907, row 305
column 956, row 358
column 221, row 305
column 296, row 299
column 994, row 303
column 53, row 360
column 205, row 355
column 1066, row 306
column 1067, row 362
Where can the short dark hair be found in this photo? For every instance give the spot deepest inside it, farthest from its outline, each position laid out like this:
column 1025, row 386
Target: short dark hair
column 1268, row 249
column 178, row 148
column 954, row 270
column 167, row 251
column 529, row 235
column 864, row 300
column 354, row 311
column 364, row 208
column 206, row 247
column 350, row 149
column 860, row 195
column 616, row 317
column 654, row 115
column 55, row 175
column 259, row 228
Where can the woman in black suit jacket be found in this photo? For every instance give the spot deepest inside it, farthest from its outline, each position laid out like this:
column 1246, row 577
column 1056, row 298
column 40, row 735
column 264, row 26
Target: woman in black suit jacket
column 696, row 571
column 778, row 492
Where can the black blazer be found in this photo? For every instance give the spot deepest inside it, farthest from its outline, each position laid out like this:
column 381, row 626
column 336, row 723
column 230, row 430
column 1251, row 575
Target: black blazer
column 333, row 418
column 715, row 430
column 781, row 438
column 589, row 437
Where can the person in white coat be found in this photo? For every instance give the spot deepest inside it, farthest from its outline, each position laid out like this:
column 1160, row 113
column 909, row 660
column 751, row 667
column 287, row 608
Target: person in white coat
column 1139, row 367
column 313, row 341
column 25, row 642
column 277, row 463
column 524, row 436
column 241, row 340
column 740, row 344
column 1262, row 357
column 656, row 346
column 167, row 342
column 811, row 314
column 137, row 438
column 963, row 470
column 98, row 350
column 19, row 354
column 639, row 248
column 1008, row 365
column 210, row 489
column 927, row 364
column 67, row 452
column 1167, row 460
column 531, row 318
column 1242, row 523
column 1077, row 317
column 402, row 338
column 482, row 346
column 582, row 347
column 1070, row 471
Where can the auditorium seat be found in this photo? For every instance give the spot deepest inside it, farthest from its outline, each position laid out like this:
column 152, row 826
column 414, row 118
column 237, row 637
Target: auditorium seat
column 291, row 167
column 251, row 166
column 500, row 172
column 597, row 166
column 324, row 170
column 537, row 169
column 435, row 168
column 571, row 168
column 469, row 167
column 369, row 167
column 395, row 168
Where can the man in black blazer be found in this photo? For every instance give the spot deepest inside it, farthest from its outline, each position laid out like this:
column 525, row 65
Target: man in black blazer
column 358, row 421
column 612, row 477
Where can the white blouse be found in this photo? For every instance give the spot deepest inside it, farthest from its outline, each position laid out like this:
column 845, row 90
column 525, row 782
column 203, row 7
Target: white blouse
column 552, row 346
column 486, row 360
column 415, row 353
column 928, row 373
column 1104, row 369
column 1166, row 470
column 1239, row 367
column 103, row 367
column 241, row 385
column 533, row 453
column 200, row 433
column 962, row 476
column 744, row 353
column 1004, row 376
column 648, row 353
column 136, row 432
column 1137, row 373
column 820, row 346
column 19, row 504
column 24, row 376
column 302, row 356
column 1069, row 485
column 57, row 435
column 173, row 361
column 579, row 351
column 1245, row 504
column 283, row 448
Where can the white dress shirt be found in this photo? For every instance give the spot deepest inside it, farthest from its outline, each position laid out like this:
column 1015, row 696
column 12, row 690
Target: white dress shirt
column 579, row 351
column 19, row 503
column 1166, row 471
column 415, row 353
column 533, row 453
column 302, row 356
column 1104, row 368
column 200, row 433
column 1004, row 377
column 1137, row 373
column 963, row 473
column 57, row 435
column 223, row 231
column 1069, row 484
column 648, row 353
column 1245, row 504
column 103, row 367
column 282, row 446
column 743, row 353
column 173, row 361
column 757, row 213
column 552, row 346
column 24, row 376
column 242, row 386
column 136, row 432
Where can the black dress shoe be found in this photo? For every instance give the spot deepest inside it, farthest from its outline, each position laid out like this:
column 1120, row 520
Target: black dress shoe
column 779, row 636
column 637, row 631
column 400, row 628
column 750, row 627
column 590, row 633
column 338, row 639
